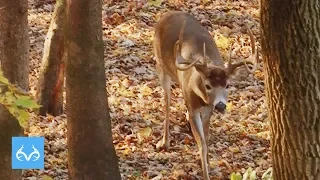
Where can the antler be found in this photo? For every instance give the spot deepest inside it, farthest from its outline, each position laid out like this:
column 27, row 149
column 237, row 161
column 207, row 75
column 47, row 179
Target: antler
column 231, row 67
column 202, row 66
column 177, row 52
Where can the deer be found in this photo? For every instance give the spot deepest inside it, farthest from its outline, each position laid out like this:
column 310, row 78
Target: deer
column 186, row 53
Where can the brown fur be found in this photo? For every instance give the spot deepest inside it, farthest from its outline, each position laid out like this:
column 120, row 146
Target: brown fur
column 180, row 43
column 218, row 77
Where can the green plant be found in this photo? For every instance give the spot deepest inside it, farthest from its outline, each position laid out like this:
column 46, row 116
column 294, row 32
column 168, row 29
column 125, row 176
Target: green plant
column 250, row 174
column 17, row 101
column 267, row 175
column 235, row 176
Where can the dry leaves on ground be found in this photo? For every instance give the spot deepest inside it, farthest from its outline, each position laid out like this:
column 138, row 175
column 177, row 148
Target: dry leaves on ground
column 238, row 139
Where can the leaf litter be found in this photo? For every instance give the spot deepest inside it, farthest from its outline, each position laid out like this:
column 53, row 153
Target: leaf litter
column 239, row 139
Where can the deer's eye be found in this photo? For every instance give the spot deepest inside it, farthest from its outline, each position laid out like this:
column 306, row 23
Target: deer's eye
column 208, row 87
column 228, row 85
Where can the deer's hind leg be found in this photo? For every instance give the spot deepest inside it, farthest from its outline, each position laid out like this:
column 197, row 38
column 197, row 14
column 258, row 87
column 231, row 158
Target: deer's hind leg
column 165, row 82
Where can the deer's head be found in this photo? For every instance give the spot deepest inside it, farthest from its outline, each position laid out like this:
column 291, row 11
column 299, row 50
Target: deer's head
column 214, row 78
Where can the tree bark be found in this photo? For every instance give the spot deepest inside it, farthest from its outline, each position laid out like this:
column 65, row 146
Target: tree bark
column 291, row 46
column 14, row 41
column 14, row 59
column 91, row 153
column 9, row 127
column 51, row 79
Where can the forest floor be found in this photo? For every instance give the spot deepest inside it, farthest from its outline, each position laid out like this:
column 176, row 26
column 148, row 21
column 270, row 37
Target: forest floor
column 239, row 138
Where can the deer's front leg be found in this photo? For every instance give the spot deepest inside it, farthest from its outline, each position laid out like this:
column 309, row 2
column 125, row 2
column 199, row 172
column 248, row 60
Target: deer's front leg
column 199, row 135
column 205, row 116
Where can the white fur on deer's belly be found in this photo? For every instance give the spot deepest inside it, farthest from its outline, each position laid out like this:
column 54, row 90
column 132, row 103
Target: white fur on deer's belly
column 220, row 95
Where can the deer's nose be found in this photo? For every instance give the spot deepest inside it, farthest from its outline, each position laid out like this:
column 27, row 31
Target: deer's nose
column 220, row 107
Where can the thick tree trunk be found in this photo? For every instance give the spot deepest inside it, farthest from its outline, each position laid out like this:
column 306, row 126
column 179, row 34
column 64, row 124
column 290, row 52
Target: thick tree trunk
column 51, row 79
column 91, row 151
column 9, row 127
column 291, row 46
column 14, row 59
column 14, row 41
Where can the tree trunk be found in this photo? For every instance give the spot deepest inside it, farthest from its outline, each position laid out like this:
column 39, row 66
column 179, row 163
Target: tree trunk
column 14, row 59
column 291, row 46
column 51, row 79
column 14, row 41
column 9, row 127
column 91, row 151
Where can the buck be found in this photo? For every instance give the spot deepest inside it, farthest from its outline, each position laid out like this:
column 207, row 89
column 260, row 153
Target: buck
column 186, row 53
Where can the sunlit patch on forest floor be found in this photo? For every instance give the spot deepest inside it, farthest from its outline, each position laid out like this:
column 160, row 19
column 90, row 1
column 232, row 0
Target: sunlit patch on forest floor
column 239, row 139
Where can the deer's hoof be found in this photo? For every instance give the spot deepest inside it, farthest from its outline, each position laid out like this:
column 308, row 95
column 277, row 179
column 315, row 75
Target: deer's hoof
column 162, row 145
